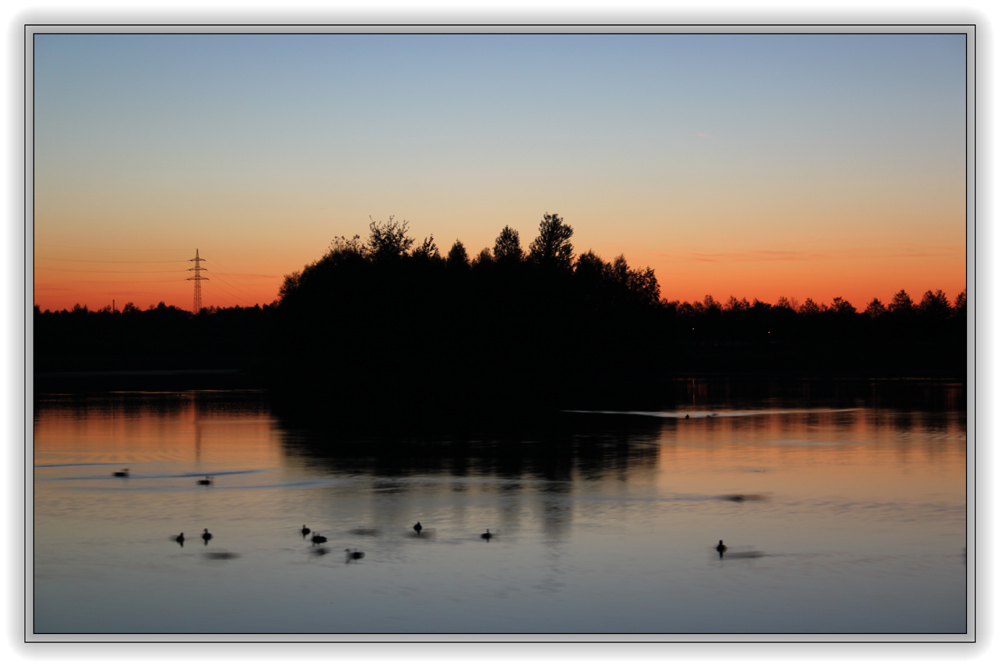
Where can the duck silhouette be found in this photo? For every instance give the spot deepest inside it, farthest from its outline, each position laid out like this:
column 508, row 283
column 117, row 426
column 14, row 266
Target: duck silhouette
column 206, row 536
column 305, row 531
column 417, row 527
column 206, row 481
column 721, row 548
column 121, row 473
column 354, row 555
column 487, row 535
column 179, row 539
column 318, row 539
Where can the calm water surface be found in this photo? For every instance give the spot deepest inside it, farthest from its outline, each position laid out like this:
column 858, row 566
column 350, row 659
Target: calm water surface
column 837, row 520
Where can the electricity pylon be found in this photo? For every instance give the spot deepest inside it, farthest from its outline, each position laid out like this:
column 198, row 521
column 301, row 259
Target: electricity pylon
column 197, row 278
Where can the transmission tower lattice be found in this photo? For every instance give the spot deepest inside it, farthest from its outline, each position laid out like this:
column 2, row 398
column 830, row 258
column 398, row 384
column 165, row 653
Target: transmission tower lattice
column 197, row 278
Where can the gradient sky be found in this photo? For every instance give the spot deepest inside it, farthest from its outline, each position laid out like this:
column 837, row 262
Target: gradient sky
column 756, row 166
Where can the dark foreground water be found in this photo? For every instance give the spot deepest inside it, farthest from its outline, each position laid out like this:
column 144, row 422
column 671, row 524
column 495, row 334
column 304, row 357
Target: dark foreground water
column 840, row 516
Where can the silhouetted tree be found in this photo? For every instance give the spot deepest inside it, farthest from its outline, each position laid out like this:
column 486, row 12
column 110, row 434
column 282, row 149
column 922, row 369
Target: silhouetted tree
column 388, row 240
column 341, row 245
column 641, row 284
column 784, row 303
column 589, row 266
column 875, row 309
column 289, row 285
column 483, row 259
column 710, row 304
column 507, row 248
column 935, row 305
column 457, row 256
column 960, row 304
column 552, row 246
column 810, row 307
column 427, row 250
column 901, row 303
column 842, row 306
column 737, row 305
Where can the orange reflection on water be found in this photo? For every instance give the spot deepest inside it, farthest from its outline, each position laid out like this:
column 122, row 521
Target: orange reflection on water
column 861, row 453
column 181, row 429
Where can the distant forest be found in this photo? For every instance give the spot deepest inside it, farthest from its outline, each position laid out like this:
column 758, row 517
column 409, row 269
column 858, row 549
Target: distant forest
column 387, row 321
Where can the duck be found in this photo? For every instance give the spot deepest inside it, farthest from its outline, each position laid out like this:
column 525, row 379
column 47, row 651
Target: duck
column 179, row 539
column 721, row 548
column 206, row 481
column 318, row 539
column 354, row 555
column 305, row 531
column 417, row 527
column 121, row 473
column 206, row 536
column 487, row 535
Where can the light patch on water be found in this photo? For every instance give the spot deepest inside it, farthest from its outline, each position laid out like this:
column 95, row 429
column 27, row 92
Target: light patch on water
column 858, row 526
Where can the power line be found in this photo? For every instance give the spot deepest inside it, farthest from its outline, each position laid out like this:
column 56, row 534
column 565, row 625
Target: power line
column 239, row 289
column 238, row 298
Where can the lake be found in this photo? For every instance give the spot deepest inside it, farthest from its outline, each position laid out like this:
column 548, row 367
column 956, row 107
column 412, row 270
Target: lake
column 840, row 514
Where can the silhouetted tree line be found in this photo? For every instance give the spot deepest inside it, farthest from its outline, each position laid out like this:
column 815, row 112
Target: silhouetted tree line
column 898, row 339
column 389, row 324
column 158, row 338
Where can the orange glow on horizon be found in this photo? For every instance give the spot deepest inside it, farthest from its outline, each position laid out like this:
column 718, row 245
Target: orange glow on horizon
column 684, row 278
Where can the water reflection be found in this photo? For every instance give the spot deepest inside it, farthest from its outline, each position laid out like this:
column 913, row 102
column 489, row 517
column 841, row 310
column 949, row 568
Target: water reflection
column 594, row 521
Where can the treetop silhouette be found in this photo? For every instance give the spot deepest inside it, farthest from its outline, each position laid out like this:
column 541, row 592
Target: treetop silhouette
column 552, row 246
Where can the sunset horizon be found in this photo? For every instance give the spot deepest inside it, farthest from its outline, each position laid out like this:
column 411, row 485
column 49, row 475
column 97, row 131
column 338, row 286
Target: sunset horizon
column 665, row 334
column 224, row 289
column 753, row 166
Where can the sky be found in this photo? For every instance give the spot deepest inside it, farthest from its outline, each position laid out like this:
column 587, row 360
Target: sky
column 755, row 166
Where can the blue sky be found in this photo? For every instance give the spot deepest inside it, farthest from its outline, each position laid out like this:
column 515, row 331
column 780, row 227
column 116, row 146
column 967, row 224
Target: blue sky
column 264, row 147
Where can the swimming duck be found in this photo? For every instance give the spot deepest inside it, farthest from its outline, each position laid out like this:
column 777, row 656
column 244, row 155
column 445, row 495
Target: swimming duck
column 417, row 527
column 354, row 555
column 121, row 473
column 206, row 536
column 721, row 548
column 487, row 535
column 179, row 539
column 318, row 539
column 305, row 531
column 206, row 481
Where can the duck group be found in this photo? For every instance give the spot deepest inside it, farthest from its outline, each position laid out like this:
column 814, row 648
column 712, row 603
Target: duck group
column 318, row 540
